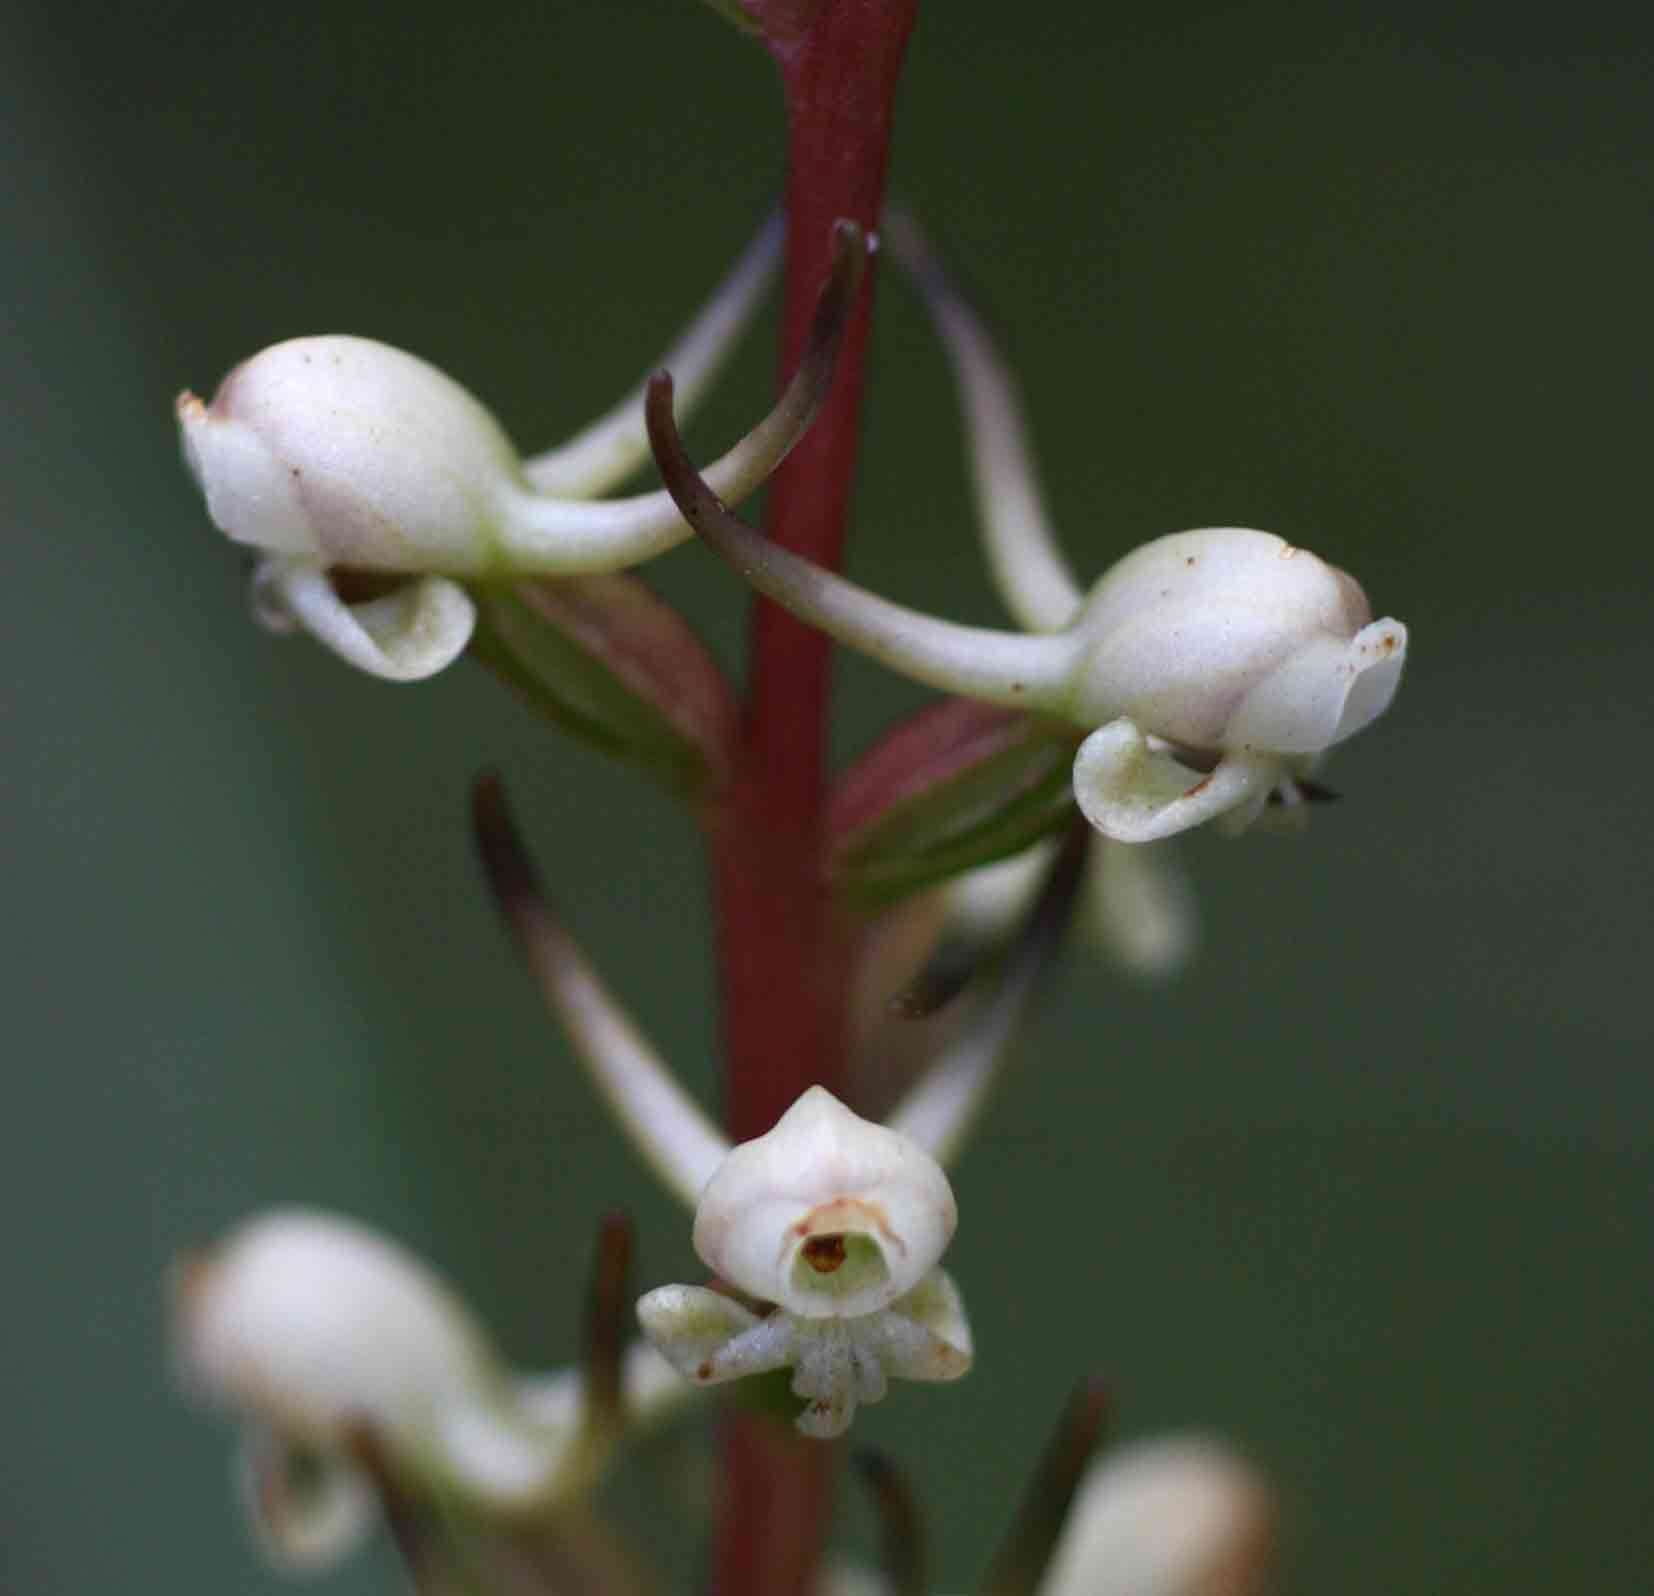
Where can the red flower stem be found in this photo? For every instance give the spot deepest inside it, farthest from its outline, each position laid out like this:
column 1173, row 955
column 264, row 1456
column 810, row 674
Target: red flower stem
column 783, row 962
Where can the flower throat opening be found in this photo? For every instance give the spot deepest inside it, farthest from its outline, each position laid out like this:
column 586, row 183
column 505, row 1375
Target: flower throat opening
column 839, row 1264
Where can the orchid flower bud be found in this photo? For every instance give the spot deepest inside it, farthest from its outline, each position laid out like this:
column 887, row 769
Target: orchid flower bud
column 312, row 1327
column 839, row 1223
column 1209, row 669
column 343, row 454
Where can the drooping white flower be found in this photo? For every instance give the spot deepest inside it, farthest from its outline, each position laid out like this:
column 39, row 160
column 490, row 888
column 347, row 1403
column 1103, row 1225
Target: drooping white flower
column 1217, row 665
column 342, row 454
column 1209, row 669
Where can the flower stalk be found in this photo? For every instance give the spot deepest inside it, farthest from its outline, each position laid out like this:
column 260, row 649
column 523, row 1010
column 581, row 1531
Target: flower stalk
column 879, row 934
column 783, row 959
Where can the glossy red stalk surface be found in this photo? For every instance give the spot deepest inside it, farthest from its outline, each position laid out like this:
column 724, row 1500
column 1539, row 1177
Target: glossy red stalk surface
column 782, row 956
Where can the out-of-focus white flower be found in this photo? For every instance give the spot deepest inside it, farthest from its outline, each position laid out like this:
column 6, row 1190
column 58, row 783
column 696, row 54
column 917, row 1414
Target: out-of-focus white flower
column 1171, row 1516
column 1138, row 908
column 341, row 454
column 832, row 1227
column 315, row 1330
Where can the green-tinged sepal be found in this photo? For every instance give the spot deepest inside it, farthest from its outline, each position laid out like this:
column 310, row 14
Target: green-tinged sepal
column 959, row 786
column 613, row 665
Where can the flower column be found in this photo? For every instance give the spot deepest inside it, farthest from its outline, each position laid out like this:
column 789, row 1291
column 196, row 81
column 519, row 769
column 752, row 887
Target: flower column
column 781, row 960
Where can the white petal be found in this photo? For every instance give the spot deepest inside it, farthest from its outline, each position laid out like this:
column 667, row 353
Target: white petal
column 1324, row 692
column 1029, row 568
column 1381, row 652
column 1133, row 792
column 612, row 447
column 249, row 491
column 938, row 1306
column 414, row 632
column 926, row 1335
column 710, row 1338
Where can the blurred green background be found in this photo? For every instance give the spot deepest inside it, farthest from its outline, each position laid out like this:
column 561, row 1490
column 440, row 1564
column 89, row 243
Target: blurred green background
column 1369, row 1190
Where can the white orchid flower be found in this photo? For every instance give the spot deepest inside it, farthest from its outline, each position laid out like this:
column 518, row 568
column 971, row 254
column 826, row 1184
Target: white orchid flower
column 826, row 1233
column 338, row 454
column 317, row 1330
column 833, row 1226
column 1209, row 669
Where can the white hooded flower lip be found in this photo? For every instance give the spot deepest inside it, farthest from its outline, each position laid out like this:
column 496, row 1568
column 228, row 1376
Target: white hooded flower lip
column 1230, row 638
column 250, row 494
column 352, row 452
column 827, row 1215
